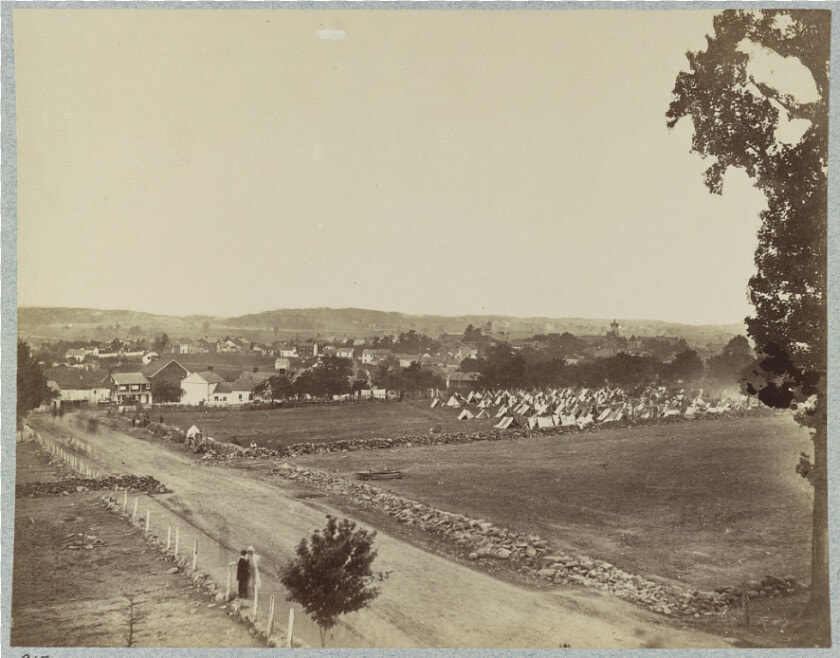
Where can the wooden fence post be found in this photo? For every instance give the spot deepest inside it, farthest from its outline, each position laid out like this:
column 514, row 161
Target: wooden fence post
column 125, row 500
column 227, row 587
column 256, row 601
column 269, row 627
column 134, row 513
column 146, row 531
column 745, row 598
column 195, row 554
column 168, row 537
column 289, row 628
column 177, row 538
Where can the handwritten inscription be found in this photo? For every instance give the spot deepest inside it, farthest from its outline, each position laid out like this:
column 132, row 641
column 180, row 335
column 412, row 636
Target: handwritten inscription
column 379, row 576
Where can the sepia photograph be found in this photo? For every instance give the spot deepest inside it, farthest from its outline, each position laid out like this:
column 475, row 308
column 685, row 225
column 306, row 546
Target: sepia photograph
column 379, row 326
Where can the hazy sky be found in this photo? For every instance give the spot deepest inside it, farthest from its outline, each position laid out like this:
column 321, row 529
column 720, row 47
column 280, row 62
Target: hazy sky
column 498, row 162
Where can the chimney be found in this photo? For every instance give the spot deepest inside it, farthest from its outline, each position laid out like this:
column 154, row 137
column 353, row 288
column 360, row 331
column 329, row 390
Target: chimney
column 209, row 368
column 256, row 368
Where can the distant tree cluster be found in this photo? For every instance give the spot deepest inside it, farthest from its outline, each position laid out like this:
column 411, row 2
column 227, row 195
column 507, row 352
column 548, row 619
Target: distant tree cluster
column 503, row 367
column 410, row 342
column 390, row 375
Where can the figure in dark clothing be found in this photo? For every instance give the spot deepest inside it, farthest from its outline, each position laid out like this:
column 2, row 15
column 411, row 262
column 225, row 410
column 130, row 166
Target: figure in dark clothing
column 243, row 573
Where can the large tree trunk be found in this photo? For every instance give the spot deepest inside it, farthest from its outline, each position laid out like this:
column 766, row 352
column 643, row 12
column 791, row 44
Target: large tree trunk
column 819, row 606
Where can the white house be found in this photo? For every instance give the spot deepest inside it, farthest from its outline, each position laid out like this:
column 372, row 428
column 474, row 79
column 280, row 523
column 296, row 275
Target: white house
column 199, row 387
column 221, row 396
column 407, row 359
column 372, row 357
column 344, row 352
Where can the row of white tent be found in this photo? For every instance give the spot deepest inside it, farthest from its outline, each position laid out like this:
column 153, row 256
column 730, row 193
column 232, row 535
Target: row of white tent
column 554, row 407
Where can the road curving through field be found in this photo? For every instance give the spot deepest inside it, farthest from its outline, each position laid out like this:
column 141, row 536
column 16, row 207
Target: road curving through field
column 427, row 600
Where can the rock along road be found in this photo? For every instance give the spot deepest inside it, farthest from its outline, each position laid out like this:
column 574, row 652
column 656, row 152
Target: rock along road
column 428, row 600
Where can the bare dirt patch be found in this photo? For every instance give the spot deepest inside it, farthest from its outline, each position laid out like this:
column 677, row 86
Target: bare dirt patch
column 65, row 594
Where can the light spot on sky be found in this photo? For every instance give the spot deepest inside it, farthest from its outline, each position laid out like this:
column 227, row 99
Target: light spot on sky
column 331, row 35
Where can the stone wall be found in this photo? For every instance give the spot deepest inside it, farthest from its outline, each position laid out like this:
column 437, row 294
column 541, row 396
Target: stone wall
column 483, row 541
column 227, row 450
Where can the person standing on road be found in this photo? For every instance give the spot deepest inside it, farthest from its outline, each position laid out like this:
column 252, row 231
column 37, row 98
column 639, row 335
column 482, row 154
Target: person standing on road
column 243, row 573
column 253, row 571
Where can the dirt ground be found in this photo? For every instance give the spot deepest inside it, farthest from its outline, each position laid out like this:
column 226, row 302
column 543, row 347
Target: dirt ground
column 701, row 503
column 429, row 600
column 68, row 597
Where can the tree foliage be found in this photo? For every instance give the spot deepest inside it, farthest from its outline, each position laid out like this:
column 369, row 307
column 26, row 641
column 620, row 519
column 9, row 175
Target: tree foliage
column 161, row 341
column 502, row 367
column 32, row 389
column 686, row 367
column 733, row 363
column 410, row 342
column 277, row 386
column 330, row 573
column 165, row 391
column 390, row 375
column 330, row 376
column 737, row 119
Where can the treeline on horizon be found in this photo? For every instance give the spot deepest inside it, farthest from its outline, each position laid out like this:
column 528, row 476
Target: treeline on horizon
column 504, row 367
column 542, row 360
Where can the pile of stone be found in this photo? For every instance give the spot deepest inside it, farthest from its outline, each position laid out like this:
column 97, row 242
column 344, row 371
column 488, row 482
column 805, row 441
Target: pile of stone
column 483, row 541
column 135, row 483
column 80, row 540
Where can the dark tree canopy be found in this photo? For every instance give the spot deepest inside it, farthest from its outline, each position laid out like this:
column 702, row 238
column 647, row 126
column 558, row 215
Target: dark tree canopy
column 165, row 391
column 330, row 376
column 736, row 120
column 32, row 389
column 330, row 573
column 686, row 367
column 732, row 364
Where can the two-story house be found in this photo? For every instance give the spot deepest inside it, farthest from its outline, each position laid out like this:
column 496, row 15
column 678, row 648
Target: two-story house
column 129, row 388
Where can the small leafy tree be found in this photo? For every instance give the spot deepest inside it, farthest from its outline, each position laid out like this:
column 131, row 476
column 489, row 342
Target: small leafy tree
column 330, row 573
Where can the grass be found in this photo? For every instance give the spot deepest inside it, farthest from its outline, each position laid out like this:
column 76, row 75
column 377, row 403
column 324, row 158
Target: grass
column 324, row 423
column 704, row 503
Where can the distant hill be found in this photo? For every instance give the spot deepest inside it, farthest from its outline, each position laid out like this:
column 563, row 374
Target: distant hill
column 86, row 323
column 50, row 323
column 363, row 322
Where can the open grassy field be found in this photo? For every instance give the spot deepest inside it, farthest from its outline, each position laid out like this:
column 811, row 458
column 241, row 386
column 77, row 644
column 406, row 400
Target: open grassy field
column 704, row 502
column 324, row 422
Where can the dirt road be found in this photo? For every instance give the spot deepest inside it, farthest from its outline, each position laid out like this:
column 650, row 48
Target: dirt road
column 428, row 601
